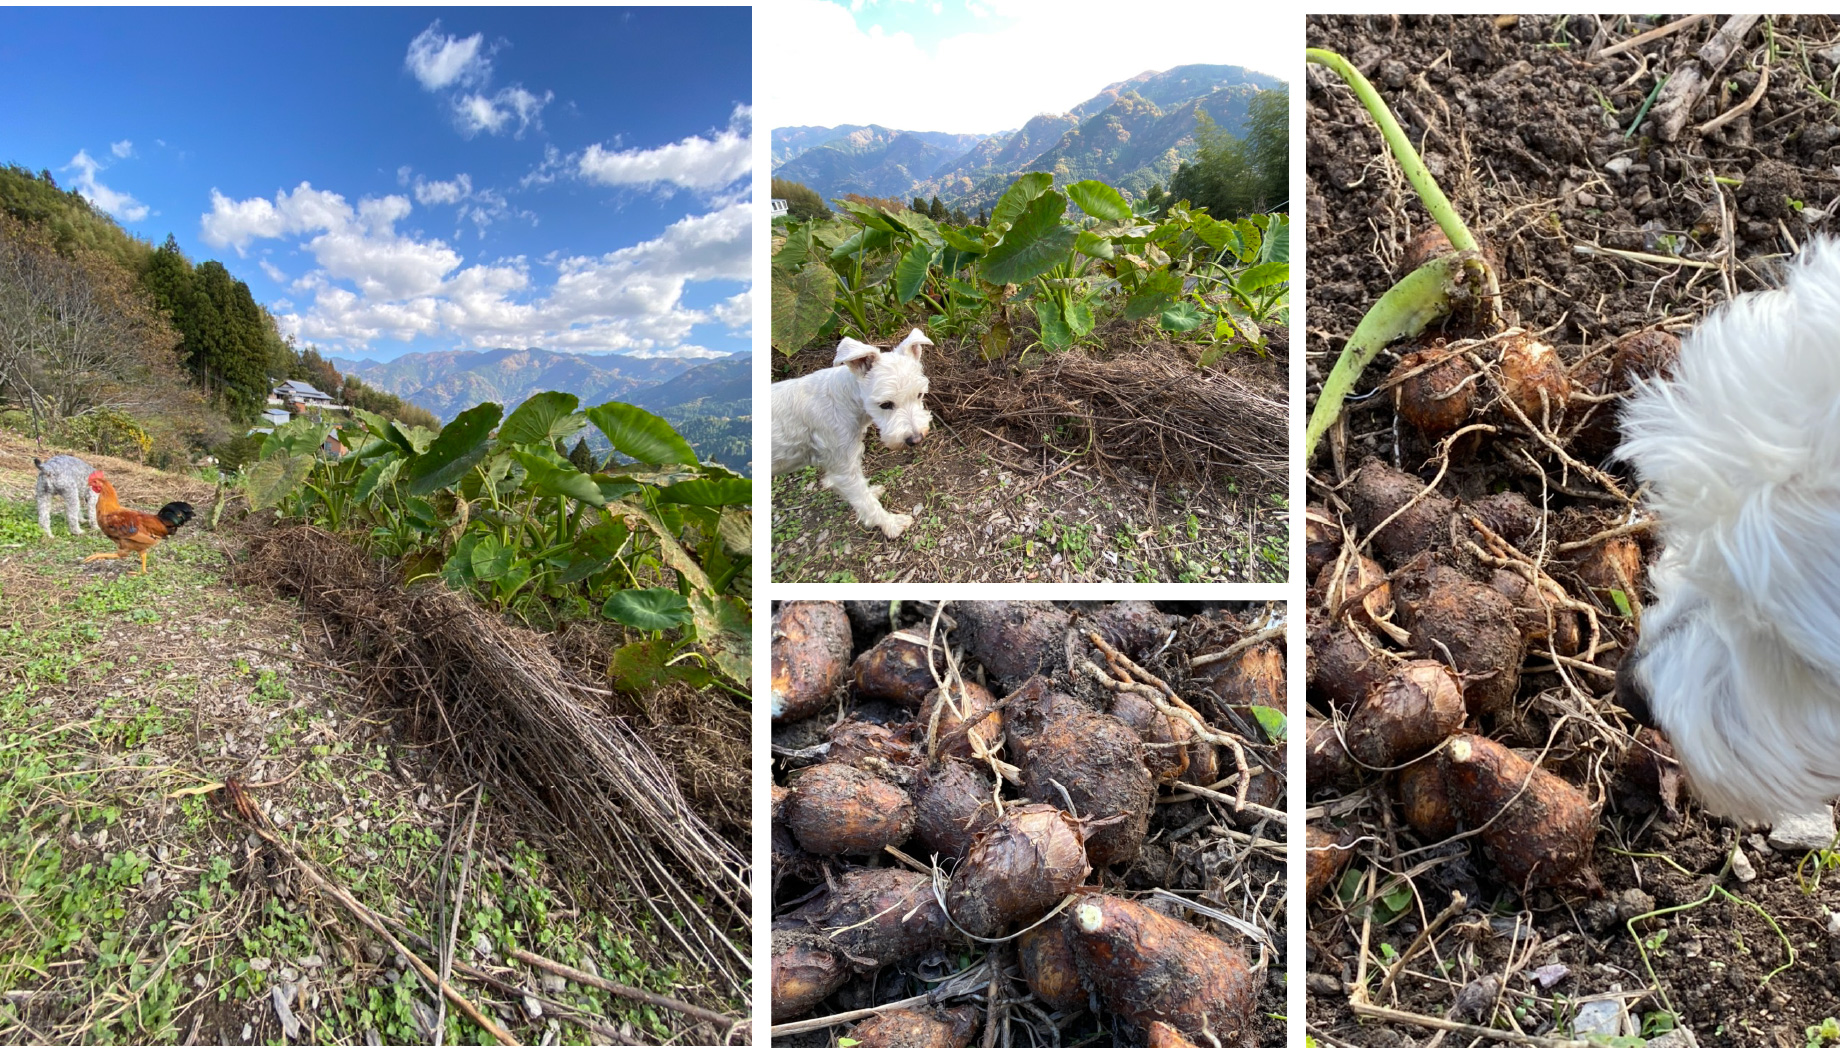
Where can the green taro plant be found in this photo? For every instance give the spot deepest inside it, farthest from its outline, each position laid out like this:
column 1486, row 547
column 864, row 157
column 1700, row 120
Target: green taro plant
column 659, row 542
column 1068, row 256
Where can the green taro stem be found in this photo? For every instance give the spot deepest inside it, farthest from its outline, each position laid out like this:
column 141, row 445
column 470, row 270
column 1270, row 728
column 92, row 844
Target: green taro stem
column 1407, row 308
column 1439, row 205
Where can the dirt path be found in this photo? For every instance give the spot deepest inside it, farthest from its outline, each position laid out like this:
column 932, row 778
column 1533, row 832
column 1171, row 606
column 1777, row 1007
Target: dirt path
column 1545, row 151
column 136, row 906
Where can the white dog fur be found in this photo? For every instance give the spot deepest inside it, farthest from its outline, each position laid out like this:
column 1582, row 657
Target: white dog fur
column 819, row 420
column 1740, row 654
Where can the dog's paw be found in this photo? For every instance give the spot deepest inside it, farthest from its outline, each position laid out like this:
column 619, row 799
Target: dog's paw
column 895, row 523
column 875, row 491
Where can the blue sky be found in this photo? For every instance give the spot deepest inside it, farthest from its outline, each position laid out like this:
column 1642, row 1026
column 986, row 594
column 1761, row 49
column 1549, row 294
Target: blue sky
column 392, row 180
column 981, row 66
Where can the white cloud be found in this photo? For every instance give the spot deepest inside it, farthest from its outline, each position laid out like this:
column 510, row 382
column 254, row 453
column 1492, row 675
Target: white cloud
column 372, row 282
column 736, row 311
column 440, row 61
column 122, row 149
column 476, row 112
column 693, row 163
column 274, row 272
column 116, row 203
column 427, row 193
column 1021, row 44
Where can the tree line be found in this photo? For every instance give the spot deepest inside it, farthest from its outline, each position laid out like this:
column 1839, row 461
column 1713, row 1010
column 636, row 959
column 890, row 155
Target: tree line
column 119, row 347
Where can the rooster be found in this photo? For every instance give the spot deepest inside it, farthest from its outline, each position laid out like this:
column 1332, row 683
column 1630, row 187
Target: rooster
column 1739, row 658
column 131, row 529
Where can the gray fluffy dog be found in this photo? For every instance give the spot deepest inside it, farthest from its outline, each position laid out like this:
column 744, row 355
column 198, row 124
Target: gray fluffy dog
column 65, row 475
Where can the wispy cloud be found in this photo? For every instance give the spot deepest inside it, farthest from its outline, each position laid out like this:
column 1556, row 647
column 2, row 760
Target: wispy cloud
column 697, row 162
column 122, row 149
column 461, row 69
column 115, row 202
column 440, row 61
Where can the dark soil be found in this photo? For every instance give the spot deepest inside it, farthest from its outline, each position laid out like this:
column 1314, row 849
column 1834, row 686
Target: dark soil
column 994, row 502
column 1196, row 848
column 1526, row 132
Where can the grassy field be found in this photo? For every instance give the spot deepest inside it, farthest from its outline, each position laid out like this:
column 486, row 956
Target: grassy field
column 137, row 905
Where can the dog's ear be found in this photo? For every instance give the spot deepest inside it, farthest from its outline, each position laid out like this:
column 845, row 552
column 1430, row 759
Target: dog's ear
column 859, row 355
column 912, row 343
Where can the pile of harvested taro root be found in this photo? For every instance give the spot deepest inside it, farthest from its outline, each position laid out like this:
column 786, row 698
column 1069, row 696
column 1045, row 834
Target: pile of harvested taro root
column 1028, row 823
column 1495, row 849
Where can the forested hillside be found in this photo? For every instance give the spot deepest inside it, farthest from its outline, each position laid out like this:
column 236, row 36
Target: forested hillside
column 114, row 345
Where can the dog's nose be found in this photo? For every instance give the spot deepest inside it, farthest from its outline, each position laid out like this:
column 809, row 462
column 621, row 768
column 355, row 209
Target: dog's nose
column 1630, row 694
column 913, row 440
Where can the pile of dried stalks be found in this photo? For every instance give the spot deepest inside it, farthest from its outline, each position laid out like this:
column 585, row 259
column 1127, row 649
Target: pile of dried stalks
column 1150, row 408
column 497, row 702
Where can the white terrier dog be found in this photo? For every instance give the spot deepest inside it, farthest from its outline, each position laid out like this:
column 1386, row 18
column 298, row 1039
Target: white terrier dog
column 1739, row 659
column 819, row 420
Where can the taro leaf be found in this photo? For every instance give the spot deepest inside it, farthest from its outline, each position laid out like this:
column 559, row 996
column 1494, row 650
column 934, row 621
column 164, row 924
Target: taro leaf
column 1213, row 233
column 412, row 439
column 794, row 252
column 542, row 419
column 614, row 487
column 1272, row 721
column 1251, row 240
column 1183, row 316
column 865, row 240
column 738, row 491
column 459, row 447
column 1080, row 319
column 552, row 478
column 1155, row 294
column 650, row 610
column 1016, row 199
column 1093, row 245
column 723, row 627
column 1099, row 200
column 675, row 556
column 802, row 303
column 273, row 479
column 491, row 558
column 963, row 241
column 639, row 434
column 1261, row 276
column 1277, row 246
column 578, row 566
column 872, row 217
column 301, row 436
column 995, row 340
column 1036, row 243
column 1054, row 333
column 951, row 260
column 910, row 274
column 640, row 666
column 380, row 474
column 458, row 571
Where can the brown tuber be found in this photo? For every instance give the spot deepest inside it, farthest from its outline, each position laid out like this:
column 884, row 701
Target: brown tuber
column 1359, row 593
column 1327, row 763
column 1047, row 966
column 811, row 655
column 1341, row 663
column 1378, row 491
column 1456, row 617
column 1416, row 707
column 1017, row 870
column 1325, row 856
column 953, row 802
column 1165, row 753
column 970, row 704
column 1534, row 379
column 1434, row 390
column 875, row 916
column 805, row 971
column 1134, row 627
column 1150, row 968
column 1424, row 798
column 1163, row 1035
column 1013, row 639
column 905, row 1028
column 836, row 809
column 1070, row 754
column 1322, row 540
column 896, row 669
column 1646, row 354
column 1538, row 828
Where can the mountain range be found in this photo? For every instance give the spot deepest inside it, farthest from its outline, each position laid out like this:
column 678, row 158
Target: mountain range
column 710, row 402
column 1132, row 134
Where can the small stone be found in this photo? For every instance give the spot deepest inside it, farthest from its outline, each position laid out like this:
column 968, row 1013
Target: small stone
column 1634, row 902
column 1548, row 975
column 311, row 960
column 1598, row 1017
column 482, row 944
column 1476, row 999
column 260, row 964
column 1833, row 924
column 1618, row 165
column 248, row 1031
column 282, row 995
column 1741, row 867
column 1679, row 1037
column 1812, row 831
column 533, row 1007
column 1322, row 984
column 554, row 984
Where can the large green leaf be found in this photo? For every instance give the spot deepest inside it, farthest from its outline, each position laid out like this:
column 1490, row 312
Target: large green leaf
column 1016, row 199
column 1261, row 276
column 551, row 478
column 1183, row 316
column 910, row 273
column 639, row 434
column 648, row 609
column 640, row 666
column 1035, row 243
column 1094, row 245
column 380, row 474
column 1099, row 200
column 458, row 448
column 962, row 240
column 1080, row 318
column 724, row 628
column 302, row 436
column 273, row 479
column 1215, row 234
column 543, row 419
column 802, row 304
column 872, row 217
column 1157, row 291
column 492, row 559
column 1277, row 246
column 737, row 491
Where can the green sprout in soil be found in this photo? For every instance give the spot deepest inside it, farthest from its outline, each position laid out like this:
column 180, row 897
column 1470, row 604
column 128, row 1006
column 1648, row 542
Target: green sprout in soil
column 1423, row 296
